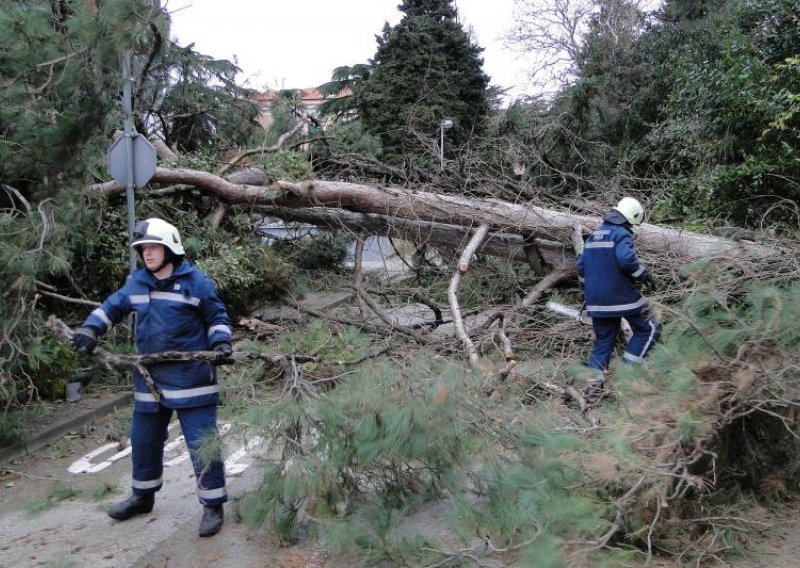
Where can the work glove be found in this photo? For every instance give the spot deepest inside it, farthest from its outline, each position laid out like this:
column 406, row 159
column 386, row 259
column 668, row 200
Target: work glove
column 649, row 283
column 84, row 340
column 225, row 351
column 224, row 348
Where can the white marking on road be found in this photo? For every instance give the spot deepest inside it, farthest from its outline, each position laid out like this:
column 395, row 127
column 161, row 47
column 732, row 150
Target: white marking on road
column 176, row 448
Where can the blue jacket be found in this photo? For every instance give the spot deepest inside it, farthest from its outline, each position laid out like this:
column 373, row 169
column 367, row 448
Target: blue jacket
column 609, row 269
column 179, row 313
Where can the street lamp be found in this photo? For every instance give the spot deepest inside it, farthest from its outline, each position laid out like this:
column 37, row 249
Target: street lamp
column 445, row 124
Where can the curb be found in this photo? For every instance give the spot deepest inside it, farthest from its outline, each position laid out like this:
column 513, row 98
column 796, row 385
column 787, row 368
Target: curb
column 57, row 429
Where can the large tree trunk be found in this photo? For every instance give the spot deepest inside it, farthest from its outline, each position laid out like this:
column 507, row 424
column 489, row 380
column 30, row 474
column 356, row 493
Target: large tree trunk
column 526, row 220
column 499, row 244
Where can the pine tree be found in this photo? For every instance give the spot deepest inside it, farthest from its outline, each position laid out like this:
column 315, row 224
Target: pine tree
column 425, row 69
column 59, row 105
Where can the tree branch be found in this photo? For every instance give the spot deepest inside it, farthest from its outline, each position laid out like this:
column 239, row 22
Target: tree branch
column 455, row 285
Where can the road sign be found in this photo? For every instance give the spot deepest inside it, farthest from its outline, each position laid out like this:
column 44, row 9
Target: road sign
column 144, row 161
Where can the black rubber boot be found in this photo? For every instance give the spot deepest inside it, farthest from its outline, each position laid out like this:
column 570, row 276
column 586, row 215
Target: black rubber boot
column 211, row 523
column 132, row 506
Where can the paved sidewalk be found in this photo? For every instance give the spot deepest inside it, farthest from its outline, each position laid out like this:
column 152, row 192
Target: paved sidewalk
column 78, row 531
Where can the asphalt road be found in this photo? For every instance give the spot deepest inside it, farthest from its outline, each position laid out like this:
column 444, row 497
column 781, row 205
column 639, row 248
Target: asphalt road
column 78, row 532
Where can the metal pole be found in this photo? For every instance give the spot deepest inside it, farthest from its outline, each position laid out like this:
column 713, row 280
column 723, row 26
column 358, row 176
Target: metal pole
column 441, row 146
column 127, row 106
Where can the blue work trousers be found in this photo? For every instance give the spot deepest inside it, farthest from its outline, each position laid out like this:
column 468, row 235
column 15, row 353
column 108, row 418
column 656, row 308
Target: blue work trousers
column 148, row 436
column 645, row 333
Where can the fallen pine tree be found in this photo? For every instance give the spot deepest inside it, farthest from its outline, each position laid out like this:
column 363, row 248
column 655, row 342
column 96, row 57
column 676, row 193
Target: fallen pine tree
column 648, row 472
column 545, row 239
column 440, row 208
column 656, row 473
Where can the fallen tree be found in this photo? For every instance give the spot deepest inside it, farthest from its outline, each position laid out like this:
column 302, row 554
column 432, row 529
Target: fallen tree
column 527, row 220
column 499, row 244
column 659, row 450
column 656, row 471
column 510, row 230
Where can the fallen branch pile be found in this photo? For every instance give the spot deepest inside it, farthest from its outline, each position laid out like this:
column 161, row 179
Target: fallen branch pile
column 684, row 427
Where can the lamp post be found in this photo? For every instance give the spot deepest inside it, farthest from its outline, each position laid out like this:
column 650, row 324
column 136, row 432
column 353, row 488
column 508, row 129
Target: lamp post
column 445, row 124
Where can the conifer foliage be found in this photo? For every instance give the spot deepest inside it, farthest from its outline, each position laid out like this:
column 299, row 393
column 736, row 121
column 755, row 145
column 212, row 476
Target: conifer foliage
column 426, row 69
column 388, row 438
column 369, row 459
column 59, row 109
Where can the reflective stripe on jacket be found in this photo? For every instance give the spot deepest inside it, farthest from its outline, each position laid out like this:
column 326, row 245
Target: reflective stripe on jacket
column 179, row 313
column 609, row 268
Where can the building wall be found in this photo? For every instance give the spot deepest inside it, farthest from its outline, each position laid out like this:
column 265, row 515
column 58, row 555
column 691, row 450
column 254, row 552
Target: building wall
column 311, row 99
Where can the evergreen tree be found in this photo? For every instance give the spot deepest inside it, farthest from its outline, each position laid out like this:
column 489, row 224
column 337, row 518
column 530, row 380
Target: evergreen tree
column 193, row 102
column 425, row 69
column 59, row 107
column 59, row 71
column 344, row 82
column 59, row 74
column 689, row 10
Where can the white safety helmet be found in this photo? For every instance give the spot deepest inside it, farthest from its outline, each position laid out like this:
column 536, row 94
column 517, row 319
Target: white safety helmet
column 159, row 232
column 631, row 209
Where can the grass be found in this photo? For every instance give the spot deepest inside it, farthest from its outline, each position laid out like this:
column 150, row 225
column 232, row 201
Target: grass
column 59, row 449
column 56, row 493
column 101, row 490
column 119, row 426
column 13, row 424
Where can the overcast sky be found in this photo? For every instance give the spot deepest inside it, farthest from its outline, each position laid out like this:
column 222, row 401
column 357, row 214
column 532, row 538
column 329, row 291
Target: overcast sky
column 280, row 44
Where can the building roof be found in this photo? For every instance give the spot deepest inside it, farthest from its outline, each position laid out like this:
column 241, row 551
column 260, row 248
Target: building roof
column 309, row 96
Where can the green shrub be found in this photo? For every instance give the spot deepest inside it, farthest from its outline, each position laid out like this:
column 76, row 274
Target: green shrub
column 287, row 164
column 246, row 273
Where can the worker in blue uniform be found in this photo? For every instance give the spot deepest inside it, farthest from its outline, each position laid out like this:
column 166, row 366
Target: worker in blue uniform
column 177, row 309
column 611, row 274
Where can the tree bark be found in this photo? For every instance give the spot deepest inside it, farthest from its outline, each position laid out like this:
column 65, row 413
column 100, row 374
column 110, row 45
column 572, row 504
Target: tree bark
column 231, row 192
column 455, row 285
column 440, row 208
column 499, row 244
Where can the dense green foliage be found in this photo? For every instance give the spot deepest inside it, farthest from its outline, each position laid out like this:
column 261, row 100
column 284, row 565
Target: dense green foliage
column 694, row 110
column 59, row 108
column 58, row 71
column 738, row 154
column 425, row 69
column 375, row 460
